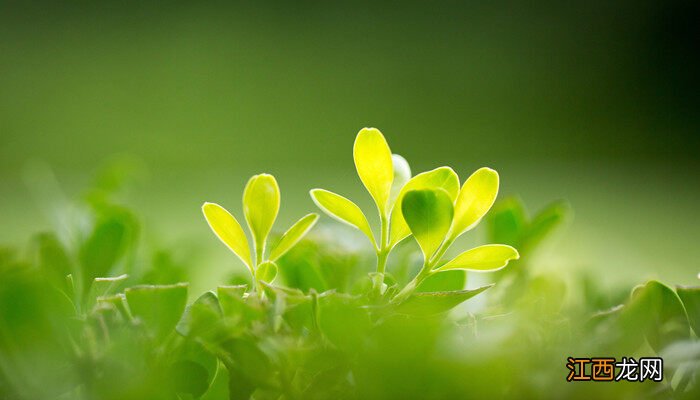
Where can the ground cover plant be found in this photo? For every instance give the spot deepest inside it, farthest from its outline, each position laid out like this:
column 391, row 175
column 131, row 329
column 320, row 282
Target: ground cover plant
column 91, row 314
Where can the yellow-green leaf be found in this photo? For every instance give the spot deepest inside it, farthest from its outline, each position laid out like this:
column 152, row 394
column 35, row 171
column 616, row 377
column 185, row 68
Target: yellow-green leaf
column 443, row 178
column 228, row 230
column 489, row 257
column 374, row 165
column 475, row 199
column 266, row 272
column 292, row 236
column 343, row 210
column 261, row 203
column 402, row 174
column 428, row 214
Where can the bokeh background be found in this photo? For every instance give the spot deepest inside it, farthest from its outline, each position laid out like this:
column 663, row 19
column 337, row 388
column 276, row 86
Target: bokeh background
column 595, row 102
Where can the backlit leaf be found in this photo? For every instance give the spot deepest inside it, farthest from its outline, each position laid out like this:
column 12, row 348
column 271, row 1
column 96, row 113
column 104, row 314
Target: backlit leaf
column 292, row 236
column 489, row 257
column 228, row 230
column 402, row 174
column 374, row 164
column 261, row 203
column 428, row 214
column 342, row 209
column 474, row 200
column 442, row 178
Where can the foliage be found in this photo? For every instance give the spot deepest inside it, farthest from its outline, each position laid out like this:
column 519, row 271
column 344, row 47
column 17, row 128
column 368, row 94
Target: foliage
column 93, row 315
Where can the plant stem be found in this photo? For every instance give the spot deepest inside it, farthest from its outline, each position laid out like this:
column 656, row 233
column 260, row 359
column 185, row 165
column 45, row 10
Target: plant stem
column 383, row 248
column 425, row 272
column 412, row 285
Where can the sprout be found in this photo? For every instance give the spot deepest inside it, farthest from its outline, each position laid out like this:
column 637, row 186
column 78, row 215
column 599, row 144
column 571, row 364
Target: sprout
column 261, row 203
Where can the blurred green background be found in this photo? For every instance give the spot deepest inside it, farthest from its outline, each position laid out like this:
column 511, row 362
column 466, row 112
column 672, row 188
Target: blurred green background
column 595, row 102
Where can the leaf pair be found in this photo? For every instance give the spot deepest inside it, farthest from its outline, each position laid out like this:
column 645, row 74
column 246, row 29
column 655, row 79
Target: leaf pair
column 261, row 202
column 380, row 172
column 436, row 212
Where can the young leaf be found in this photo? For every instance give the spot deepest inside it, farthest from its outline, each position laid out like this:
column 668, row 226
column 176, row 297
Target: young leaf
column 374, row 165
column 489, row 257
column 343, row 210
column 266, row 272
column 439, row 178
column 228, row 230
column 159, row 307
column 475, row 199
column 292, row 236
column 402, row 174
column 429, row 303
column 261, row 203
column 428, row 214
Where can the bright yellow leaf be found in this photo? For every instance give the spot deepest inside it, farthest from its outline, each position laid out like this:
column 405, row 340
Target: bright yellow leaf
column 474, row 200
column 443, row 178
column 292, row 236
column 489, row 257
column 374, row 165
column 343, row 210
column 228, row 230
column 261, row 203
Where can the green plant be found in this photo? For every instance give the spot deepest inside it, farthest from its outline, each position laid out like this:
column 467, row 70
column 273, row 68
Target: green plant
column 431, row 206
column 261, row 203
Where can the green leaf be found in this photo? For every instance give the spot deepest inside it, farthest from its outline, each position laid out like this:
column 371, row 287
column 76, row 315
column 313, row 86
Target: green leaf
column 343, row 210
column 266, row 272
column 105, row 246
column 374, row 165
column 228, row 230
column 507, row 222
column 261, row 203
column 474, row 200
column 402, row 174
column 428, row 214
column 200, row 319
column 423, row 304
column 158, row 307
column 545, row 222
column 439, row 178
column 656, row 311
column 690, row 296
column 293, row 236
column 444, row 281
column 489, row 257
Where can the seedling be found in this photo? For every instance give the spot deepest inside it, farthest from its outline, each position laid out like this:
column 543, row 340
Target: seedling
column 261, row 203
column 430, row 206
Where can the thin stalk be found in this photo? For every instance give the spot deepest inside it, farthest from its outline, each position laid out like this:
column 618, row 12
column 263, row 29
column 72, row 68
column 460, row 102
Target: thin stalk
column 425, row 272
column 383, row 248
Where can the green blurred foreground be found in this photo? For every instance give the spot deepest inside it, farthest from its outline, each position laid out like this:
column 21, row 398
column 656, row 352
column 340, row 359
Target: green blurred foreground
column 93, row 314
